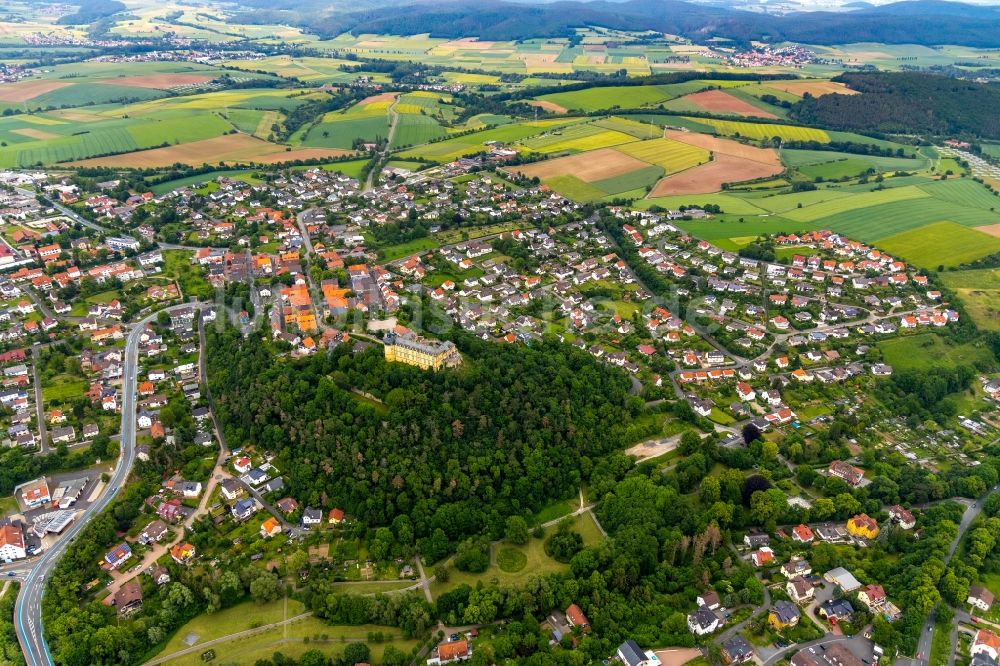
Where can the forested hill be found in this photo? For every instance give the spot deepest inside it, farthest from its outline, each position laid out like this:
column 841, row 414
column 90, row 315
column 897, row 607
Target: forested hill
column 917, row 22
column 460, row 450
column 909, row 103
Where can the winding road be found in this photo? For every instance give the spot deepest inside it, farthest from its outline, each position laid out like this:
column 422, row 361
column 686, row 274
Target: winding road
column 28, row 609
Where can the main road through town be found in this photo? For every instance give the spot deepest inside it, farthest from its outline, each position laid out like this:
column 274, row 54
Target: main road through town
column 28, row 610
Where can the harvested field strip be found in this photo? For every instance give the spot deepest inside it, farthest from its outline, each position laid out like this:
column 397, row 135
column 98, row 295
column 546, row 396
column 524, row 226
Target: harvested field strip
column 22, row 91
column 718, row 101
column 814, row 88
column 710, row 177
column 725, row 146
column 673, row 156
column 588, row 167
column 759, row 131
column 229, row 148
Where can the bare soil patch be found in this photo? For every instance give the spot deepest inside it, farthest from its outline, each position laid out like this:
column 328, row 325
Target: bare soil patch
column 719, row 101
column 990, row 229
column 468, row 43
column 548, row 106
column 229, row 148
column 35, row 133
column 588, row 167
column 814, row 88
column 159, row 81
column 22, row 91
column 708, row 178
column 677, row 656
column 374, row 99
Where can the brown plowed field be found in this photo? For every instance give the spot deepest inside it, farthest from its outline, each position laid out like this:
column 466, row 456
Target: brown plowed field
column 22, row 91
column 814, row 88
column 589, row 167
column 724, row 146
column 708, row 178
column 548, row 106
column 719, row 101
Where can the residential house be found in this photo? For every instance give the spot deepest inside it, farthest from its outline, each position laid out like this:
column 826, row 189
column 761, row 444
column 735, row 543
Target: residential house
column 311, row 517
column 762, row 556
column 872, row 596
column 835, row 610
column 986, row 643
column 12, row 543
column 902, row 517
column 450, row 652
column 783, row 614
column 702, row 622
column 708, row 599
column 117, row 555
column 849, row 473
column 128, row 598
column 244, row 508
column 980, row 598
column 863, row 526
column 576, row 618
column 270, row 527
column 737, row 650
column 153, row 532
column 799, row 590
column 182, row 552
column 802, row 534
column 630, row 654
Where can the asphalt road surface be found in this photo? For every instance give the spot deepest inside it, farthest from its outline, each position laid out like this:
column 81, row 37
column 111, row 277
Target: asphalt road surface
column 28, row 610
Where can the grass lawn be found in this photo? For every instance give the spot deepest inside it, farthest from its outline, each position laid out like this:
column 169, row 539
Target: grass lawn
column 928, row 350
column 63, row 387
column 511, row 560
column 537, row 563
column 8, row 505
column 372, row 587
column 406, row 249
column 553, row 511
column 240, row 617
column 292, row 640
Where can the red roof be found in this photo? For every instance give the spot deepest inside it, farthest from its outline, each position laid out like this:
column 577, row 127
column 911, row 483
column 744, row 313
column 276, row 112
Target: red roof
column 576, row 616
column 453, row 650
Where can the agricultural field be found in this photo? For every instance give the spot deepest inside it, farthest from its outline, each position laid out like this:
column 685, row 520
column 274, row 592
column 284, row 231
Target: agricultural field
column 625, row 171
column 72, row 135
column 575, row 139
column 469, row 144
column 368, row 120
column 718, row 102
column 731, row 162
column 979, row 291
column 941, row 244
column 758, row 131
column 631, row 97
column 835, row 166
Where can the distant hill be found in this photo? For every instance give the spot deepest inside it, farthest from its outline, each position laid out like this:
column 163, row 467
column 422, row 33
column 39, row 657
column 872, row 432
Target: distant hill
column 907, row 102
column 928, row 22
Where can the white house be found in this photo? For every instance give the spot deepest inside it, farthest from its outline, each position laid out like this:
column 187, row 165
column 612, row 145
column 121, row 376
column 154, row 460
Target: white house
column 702, row 622
column 11, row 543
